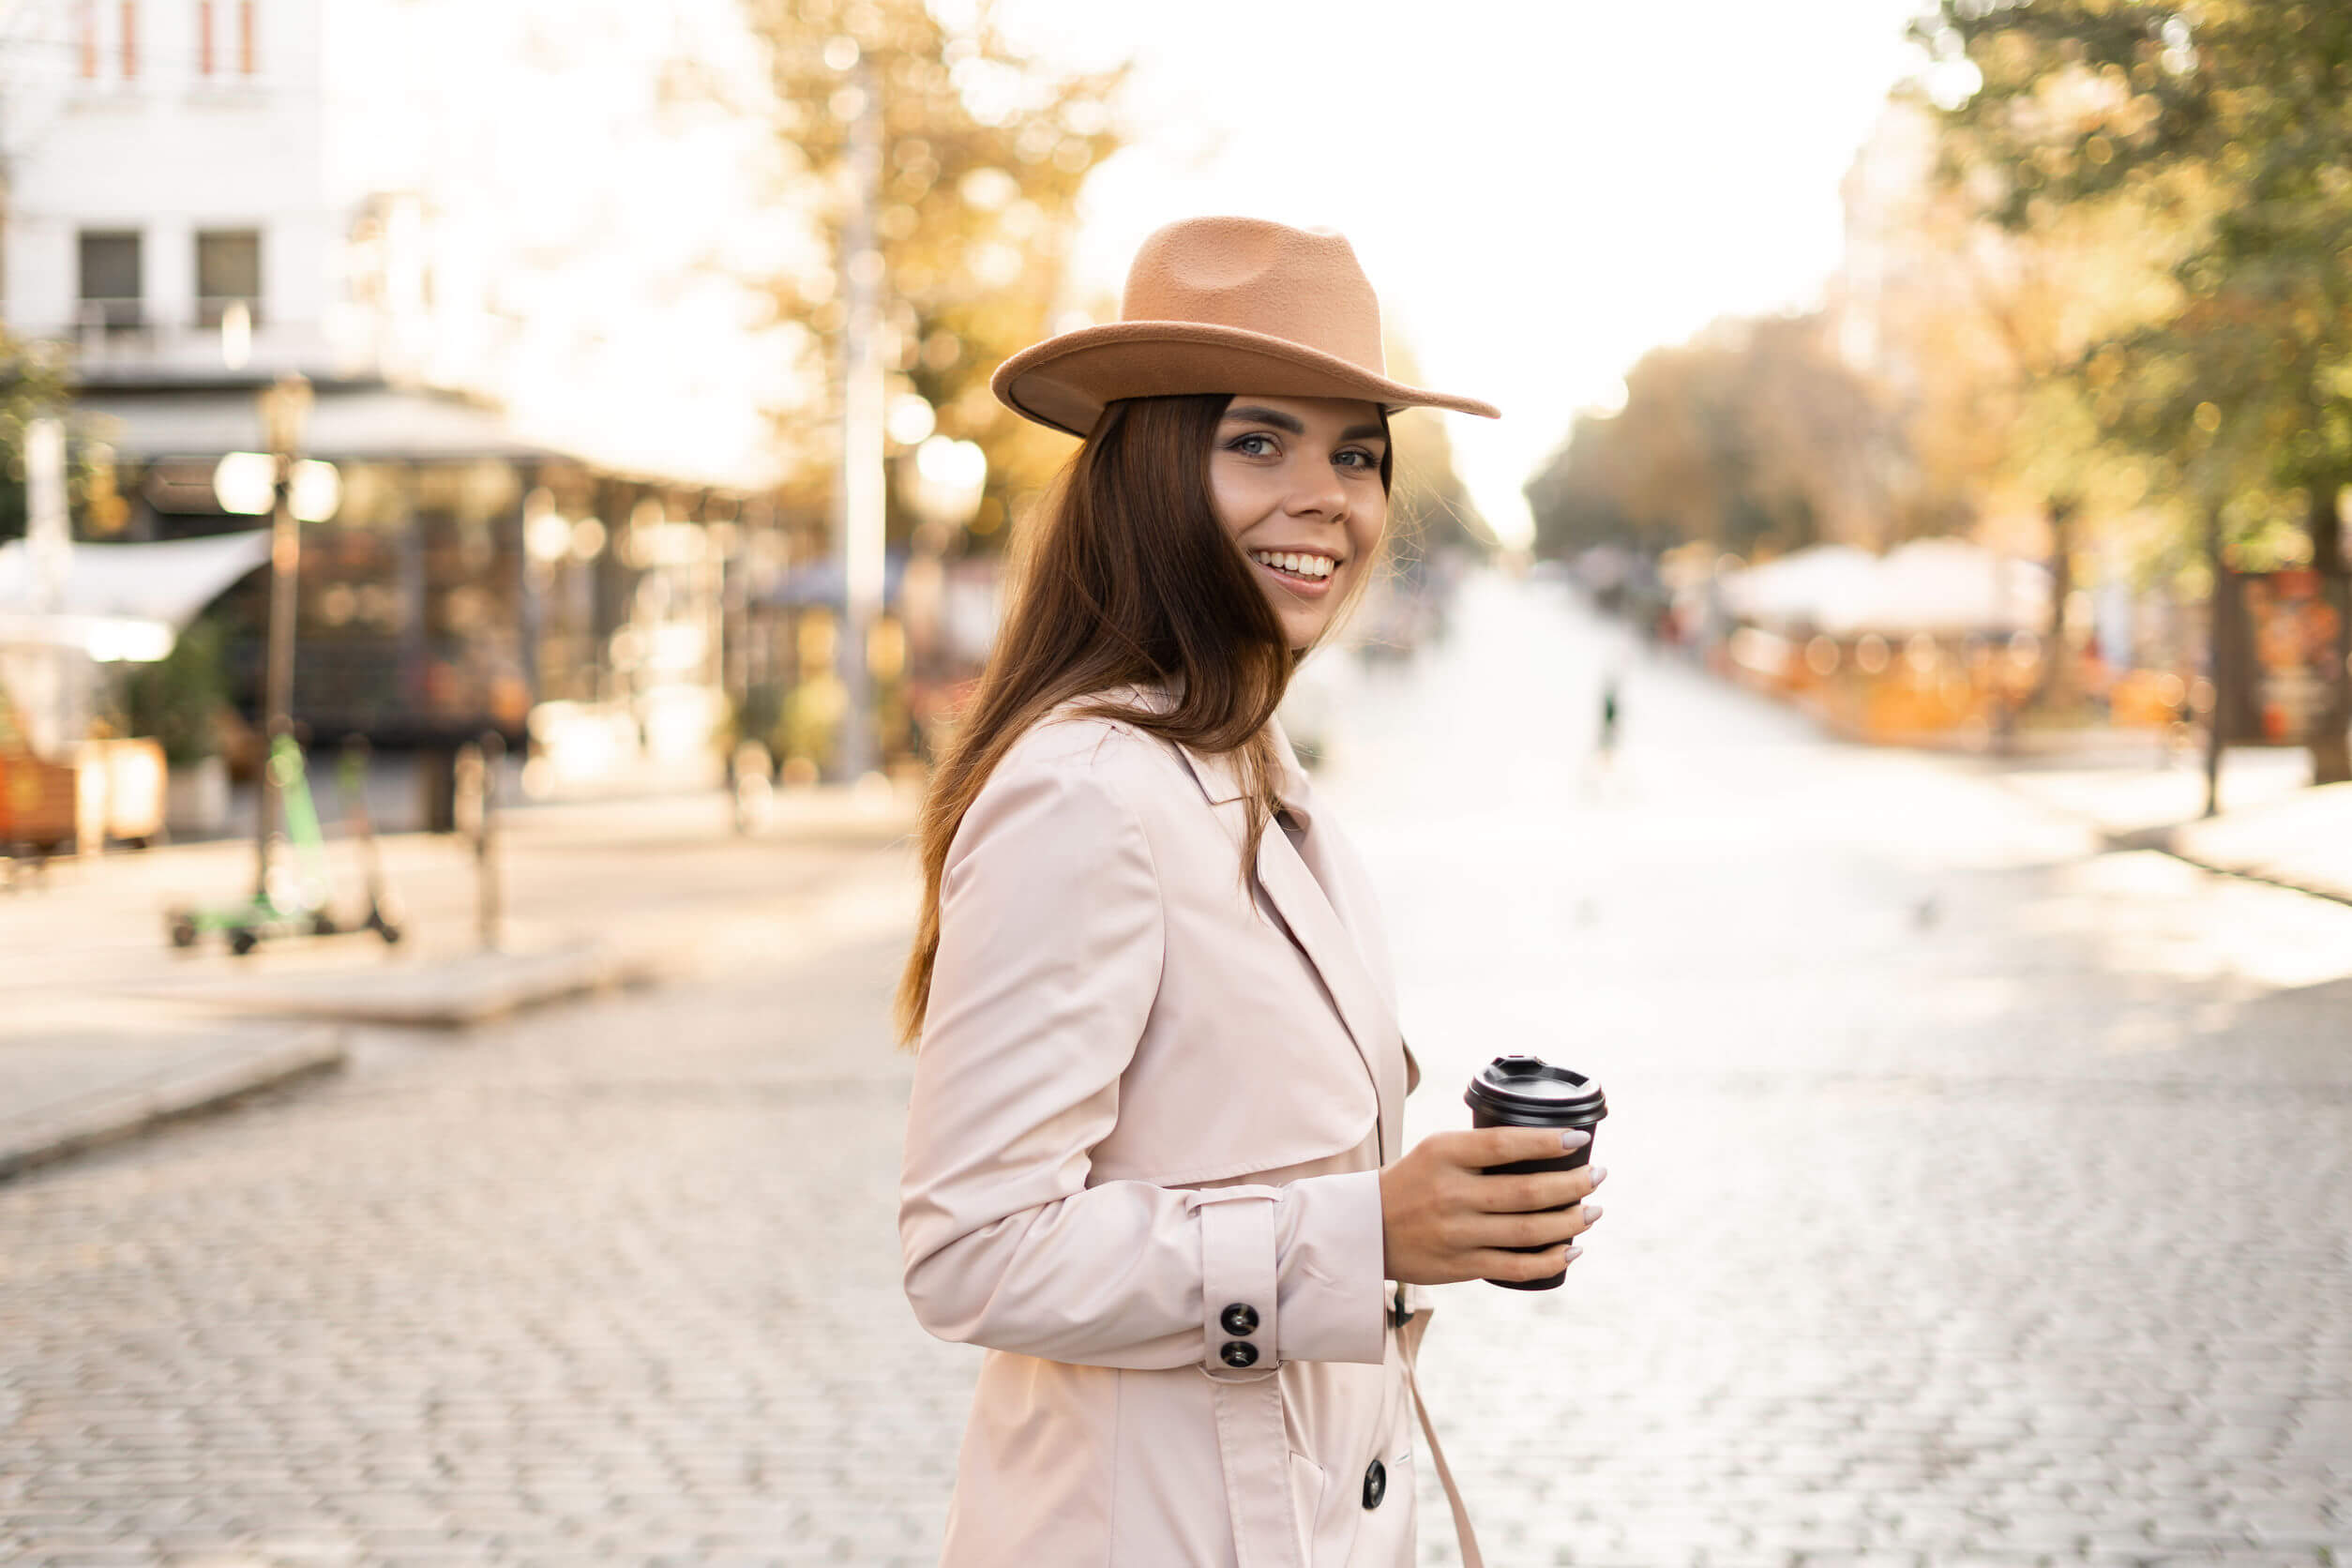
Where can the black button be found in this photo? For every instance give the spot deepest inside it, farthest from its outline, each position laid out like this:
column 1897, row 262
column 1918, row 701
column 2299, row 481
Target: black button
column 1239, row 1320
column 1375, row 1484
column 1239, row 1352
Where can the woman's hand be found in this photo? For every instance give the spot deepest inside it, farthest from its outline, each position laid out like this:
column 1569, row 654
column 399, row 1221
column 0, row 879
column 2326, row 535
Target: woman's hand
column 1443, row 1218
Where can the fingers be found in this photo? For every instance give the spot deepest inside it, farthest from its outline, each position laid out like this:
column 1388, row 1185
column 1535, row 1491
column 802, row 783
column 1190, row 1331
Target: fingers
column 1523, row 1265
column 1532, row 1229
column 1535, row 1189
column 1479, row 1147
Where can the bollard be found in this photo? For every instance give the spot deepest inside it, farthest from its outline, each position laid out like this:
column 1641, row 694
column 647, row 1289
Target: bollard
column 751, row 776
column 486, row 840
column 477, row 818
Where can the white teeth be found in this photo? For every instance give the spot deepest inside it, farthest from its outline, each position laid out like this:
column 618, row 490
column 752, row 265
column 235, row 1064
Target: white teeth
column 1295, row 564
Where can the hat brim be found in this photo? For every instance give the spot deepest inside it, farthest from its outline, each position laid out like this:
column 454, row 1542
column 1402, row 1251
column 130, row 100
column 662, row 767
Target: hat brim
column 1064, row 382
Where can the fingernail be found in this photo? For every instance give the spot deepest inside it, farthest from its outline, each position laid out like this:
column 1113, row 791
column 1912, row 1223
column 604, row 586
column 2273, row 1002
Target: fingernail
column 1591, row 1213
column 1575, row 1253
column 1574, row 1138
column 1600, row 1174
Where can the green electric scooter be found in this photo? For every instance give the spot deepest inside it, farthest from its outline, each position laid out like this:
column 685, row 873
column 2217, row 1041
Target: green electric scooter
column 294, row 901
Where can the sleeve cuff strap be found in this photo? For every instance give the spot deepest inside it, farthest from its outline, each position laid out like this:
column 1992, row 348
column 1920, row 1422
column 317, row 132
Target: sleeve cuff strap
column 1239, row 1295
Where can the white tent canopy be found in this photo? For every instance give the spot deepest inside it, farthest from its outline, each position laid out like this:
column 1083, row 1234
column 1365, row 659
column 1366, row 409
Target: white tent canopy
column 1949, row 586
column 1794, row 588
column 123, row 601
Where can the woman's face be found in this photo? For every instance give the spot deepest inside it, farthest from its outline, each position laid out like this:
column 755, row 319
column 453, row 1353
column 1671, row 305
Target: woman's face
column 1297, row 484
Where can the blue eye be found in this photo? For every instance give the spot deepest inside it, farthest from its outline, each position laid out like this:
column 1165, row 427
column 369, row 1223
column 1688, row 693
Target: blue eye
column 1365, row 459
column 1241, row 444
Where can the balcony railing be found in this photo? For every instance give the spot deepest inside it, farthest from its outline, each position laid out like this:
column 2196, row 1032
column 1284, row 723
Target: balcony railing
column 111, row 317
column 211, row 308
column 130, row 338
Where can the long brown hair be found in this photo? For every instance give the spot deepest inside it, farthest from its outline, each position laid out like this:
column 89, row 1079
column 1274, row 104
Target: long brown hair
column 1128, row 578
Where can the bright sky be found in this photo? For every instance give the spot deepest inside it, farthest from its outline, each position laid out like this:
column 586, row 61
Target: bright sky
column 1540, row 189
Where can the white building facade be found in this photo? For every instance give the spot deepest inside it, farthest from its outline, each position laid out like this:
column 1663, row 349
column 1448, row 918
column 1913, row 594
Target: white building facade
column 514, row 199
column 518, row 246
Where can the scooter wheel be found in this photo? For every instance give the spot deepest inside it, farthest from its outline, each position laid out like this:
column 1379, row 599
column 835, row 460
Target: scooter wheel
column 322, row 925
column 183, row 931
column 242, row 942
column 390, row 932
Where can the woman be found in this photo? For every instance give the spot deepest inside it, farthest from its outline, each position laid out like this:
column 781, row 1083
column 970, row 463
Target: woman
column 1153, row 1154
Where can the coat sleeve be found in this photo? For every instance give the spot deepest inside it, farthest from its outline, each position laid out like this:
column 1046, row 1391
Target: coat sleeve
column 1051, row 930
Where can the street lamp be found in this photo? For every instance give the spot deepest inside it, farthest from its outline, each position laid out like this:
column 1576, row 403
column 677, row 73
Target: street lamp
column 942, row 481
column 292, row 490
column 858, row 494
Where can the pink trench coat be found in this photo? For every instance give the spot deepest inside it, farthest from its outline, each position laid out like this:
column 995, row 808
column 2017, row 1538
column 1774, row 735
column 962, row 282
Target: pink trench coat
column 1142, row 1168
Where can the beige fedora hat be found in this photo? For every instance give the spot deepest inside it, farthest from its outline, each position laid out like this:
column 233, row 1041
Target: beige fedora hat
column 1222, row 305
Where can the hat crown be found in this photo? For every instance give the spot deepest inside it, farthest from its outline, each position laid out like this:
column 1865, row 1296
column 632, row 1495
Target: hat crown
column 1296, row 284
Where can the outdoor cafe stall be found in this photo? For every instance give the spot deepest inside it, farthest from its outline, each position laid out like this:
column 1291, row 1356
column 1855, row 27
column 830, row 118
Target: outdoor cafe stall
column 64, row 632
column 1934, row 638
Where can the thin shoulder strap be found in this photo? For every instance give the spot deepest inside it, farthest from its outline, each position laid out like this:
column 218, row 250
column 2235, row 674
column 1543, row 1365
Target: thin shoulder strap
column 1408, row 1343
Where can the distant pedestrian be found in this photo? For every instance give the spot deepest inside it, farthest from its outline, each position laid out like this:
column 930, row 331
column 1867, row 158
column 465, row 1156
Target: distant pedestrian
column 1600, row 761
column 1154, row 1154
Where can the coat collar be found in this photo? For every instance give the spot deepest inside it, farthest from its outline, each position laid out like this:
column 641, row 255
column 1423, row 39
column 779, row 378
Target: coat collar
column 1218, row 772
column 1220, row 777
column 1318, row 926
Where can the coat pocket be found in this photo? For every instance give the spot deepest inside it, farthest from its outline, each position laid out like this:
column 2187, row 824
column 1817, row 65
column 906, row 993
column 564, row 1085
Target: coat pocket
column 1307, row 1503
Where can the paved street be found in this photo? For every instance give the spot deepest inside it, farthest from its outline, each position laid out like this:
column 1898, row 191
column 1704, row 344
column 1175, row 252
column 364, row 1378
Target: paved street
column 1976, row 1199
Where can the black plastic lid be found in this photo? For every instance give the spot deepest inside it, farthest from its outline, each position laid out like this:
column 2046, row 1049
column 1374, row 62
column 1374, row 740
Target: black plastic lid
column 1529, row 1085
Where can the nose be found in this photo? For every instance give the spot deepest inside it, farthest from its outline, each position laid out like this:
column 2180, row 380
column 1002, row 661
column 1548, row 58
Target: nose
column 1319, row 496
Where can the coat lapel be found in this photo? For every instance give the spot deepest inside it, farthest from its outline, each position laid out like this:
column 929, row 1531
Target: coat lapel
column 1322, row 934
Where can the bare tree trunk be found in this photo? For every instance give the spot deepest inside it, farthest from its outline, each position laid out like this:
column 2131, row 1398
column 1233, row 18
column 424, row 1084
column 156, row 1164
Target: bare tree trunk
column 2217, row 634
column 2330, row 755
column 2055, row 689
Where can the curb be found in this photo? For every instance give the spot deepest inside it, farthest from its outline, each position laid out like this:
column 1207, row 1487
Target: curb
column 2164, row 840
column 2164, row 844
column 109, row 1115
column 450, row 995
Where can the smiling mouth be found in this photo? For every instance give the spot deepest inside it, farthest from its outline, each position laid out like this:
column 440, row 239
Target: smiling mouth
column 1300, row 565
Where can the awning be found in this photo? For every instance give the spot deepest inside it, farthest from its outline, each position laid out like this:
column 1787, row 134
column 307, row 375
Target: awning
column 353, row 425
column 123, row 601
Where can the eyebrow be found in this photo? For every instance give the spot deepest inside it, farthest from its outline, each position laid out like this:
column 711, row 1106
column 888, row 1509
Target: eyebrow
column 1252, row 415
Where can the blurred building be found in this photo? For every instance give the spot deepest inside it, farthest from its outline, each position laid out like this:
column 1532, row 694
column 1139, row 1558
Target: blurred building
column 1881, row 196
column 513, row 246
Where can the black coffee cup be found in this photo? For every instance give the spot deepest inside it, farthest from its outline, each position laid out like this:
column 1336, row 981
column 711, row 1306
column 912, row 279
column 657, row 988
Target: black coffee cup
column 1529, row 1092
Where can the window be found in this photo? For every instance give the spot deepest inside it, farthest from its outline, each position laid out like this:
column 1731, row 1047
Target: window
column 110, row 293
column 228, row 272
column 130, row 39
column 86, row 37
column 225, row 29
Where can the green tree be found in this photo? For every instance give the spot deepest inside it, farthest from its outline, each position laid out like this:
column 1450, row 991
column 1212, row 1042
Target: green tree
column 2231, row 122
column 982, row 151
column 1994, row 332
column 1432, row 507
column 33, row 386
column 1755, row 436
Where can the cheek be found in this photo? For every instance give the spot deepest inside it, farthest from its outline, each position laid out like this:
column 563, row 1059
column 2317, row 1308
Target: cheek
column 1235, row 499
column 1365, row 525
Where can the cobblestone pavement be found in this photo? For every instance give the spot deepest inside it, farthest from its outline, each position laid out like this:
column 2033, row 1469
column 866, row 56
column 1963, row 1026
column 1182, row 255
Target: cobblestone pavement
column 1976, row 1199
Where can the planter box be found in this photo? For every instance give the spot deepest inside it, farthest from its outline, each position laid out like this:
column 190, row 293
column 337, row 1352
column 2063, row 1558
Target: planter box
column 37, row 805
column 196, row 798
column 120, row 786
